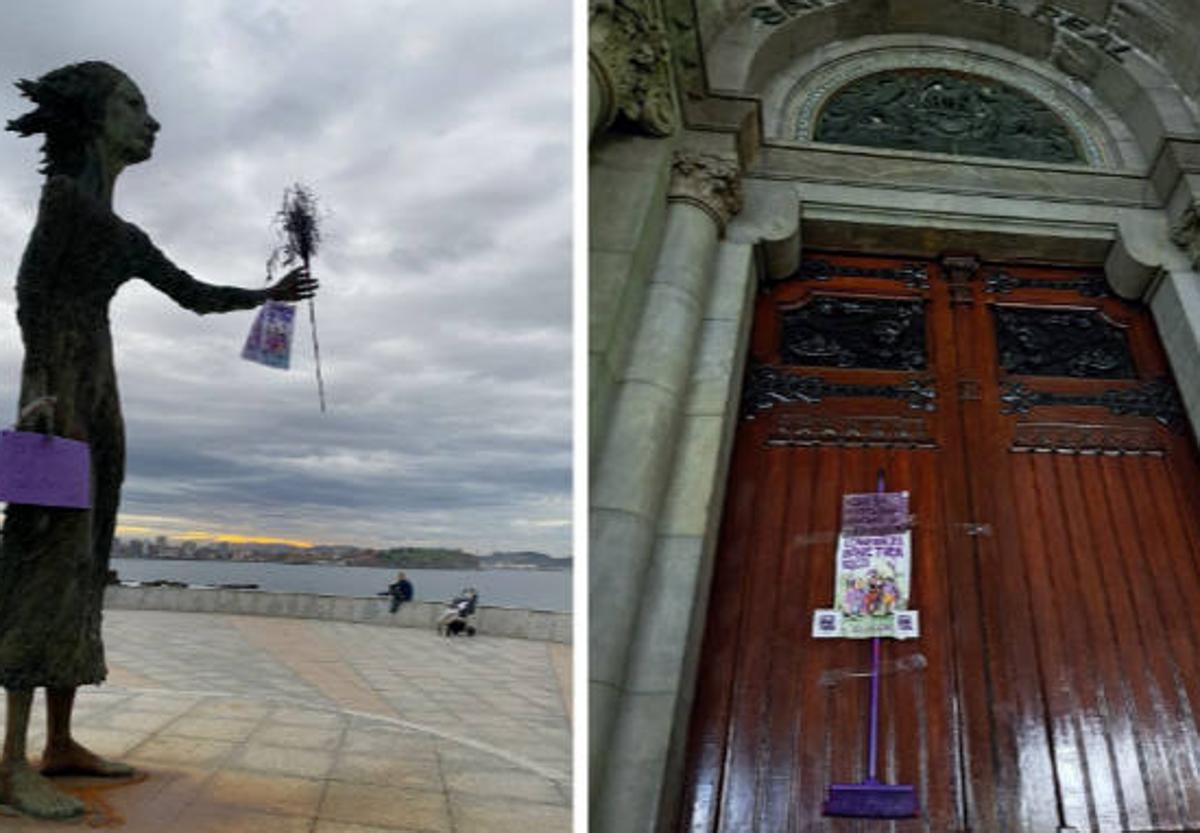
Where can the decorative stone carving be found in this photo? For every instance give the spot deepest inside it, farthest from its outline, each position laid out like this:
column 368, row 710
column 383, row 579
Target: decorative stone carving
column 1061, row 342
column 711, row 183
column 630, row 55
column 833, row 331
column 800, row 106
column 1104, row 38
column 931, row 110
column 683, row 33
column 1185, row 233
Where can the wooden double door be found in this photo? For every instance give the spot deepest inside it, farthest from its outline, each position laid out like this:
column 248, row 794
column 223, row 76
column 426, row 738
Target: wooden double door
column 1056, row 564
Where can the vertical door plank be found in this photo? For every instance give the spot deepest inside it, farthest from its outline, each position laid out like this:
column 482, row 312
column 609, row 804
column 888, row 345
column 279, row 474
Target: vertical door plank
column 748, row 707
column 709, row 724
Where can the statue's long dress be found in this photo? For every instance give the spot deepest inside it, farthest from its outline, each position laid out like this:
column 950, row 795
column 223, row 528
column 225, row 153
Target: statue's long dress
column 54, row 562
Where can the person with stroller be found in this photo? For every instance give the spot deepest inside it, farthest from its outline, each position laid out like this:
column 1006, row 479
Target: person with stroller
column 455, row 619
column 401, row 591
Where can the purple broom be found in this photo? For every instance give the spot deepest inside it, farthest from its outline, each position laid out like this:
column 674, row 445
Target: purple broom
column 298, row 224
column 871, row 799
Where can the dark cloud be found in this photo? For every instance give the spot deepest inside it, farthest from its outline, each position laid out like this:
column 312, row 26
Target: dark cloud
column 437, row 138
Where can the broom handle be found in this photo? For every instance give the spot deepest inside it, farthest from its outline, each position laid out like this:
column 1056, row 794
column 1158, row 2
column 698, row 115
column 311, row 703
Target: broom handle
column 875, row 649
column 312, row 320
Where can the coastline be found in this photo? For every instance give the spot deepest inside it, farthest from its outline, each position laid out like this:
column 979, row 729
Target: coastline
column 492, row 621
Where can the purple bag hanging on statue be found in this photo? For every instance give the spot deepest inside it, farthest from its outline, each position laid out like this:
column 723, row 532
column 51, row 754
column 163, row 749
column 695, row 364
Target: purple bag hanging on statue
column 44, row 470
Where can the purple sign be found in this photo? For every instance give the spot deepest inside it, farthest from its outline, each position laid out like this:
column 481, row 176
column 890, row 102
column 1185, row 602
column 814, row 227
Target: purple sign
column 875, row 513
column 44, row 470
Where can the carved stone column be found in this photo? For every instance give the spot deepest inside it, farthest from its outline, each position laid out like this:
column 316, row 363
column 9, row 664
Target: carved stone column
column 638, row 455
column 1175, row 301
column 629, row 67
column 1185, row 233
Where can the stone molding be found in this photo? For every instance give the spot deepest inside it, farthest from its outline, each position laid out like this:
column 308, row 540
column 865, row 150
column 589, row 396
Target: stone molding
column 630, row 56
column 711, row 183
column 1185, row 233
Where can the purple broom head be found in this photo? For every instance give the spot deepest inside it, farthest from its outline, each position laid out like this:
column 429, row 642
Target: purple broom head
column 872, row 800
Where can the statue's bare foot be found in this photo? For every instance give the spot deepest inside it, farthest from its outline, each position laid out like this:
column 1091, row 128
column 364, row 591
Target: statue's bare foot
column 27, row 791
column 74, row 759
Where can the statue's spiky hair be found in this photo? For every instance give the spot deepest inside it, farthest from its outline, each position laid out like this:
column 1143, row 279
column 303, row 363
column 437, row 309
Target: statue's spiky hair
column 71, row 102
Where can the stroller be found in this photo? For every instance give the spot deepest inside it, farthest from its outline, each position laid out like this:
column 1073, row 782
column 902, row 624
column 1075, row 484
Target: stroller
column 456, row 618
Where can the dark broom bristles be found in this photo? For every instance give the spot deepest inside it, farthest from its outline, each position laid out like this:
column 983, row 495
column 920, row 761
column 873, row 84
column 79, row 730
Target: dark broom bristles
column 297, row 220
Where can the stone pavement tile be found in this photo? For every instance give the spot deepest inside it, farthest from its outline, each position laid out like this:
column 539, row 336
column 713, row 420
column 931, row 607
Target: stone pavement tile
column 308, row 717
column 516, row 785
column 134, row 719
column 211, row 728
column 241, row 821
column 458, row 758
column 283, row 794
column 230, row 708
column 490, row 815
column 299, row 737
column 184, row 751
column 386, row 807
column 278, row 760
column 150, row 804
column 108, row 743
column 374, row 740
column 343, row 827
column 167, row 702
column 388, row 771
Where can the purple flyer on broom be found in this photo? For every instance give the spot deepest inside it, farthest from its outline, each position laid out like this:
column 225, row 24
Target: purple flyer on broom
column 270, row 339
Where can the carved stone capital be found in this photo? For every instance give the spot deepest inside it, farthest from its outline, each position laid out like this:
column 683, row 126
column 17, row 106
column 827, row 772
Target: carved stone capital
column 630, row 57
column 1185, row 233
column 711, row 183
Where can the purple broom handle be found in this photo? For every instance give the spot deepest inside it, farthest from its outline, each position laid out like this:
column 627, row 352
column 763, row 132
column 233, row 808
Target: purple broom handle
column 875, row 643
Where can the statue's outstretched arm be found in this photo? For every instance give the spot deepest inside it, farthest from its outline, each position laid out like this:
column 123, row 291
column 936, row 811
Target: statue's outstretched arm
column 155, row 268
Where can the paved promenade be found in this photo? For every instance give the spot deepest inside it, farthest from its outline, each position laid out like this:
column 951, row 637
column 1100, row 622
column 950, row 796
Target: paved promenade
column 240, row 723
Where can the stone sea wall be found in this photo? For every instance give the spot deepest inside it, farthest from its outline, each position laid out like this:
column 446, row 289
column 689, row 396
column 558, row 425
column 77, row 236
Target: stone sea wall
column 542, row 625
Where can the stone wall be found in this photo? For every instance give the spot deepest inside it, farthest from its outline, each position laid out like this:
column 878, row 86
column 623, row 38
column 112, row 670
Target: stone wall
column 541, row 625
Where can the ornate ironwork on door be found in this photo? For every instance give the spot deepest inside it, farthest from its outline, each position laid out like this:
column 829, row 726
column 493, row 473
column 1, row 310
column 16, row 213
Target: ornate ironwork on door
column 838, row 331
column 1061, row 342
column 946, row 112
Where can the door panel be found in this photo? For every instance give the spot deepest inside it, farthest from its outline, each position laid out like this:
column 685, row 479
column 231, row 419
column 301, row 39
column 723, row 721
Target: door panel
column 1056, row 558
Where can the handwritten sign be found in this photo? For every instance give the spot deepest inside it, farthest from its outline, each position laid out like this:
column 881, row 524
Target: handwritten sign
column 44, row 470
column 874, row 513
column 270, row 339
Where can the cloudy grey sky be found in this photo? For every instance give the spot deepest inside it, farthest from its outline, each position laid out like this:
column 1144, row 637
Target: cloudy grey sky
column 437, row 137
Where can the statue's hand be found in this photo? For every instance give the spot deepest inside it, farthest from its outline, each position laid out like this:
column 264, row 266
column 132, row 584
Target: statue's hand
column 296, row 285
column 38, row 415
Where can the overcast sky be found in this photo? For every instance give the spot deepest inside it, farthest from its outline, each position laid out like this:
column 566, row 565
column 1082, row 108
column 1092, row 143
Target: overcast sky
column 437, row 137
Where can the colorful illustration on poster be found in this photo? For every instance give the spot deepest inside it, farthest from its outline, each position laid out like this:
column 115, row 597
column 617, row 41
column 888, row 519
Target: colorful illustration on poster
column 270, row 339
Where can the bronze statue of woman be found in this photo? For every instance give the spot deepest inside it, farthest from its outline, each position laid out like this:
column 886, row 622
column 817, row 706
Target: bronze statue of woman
column 54, row 561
